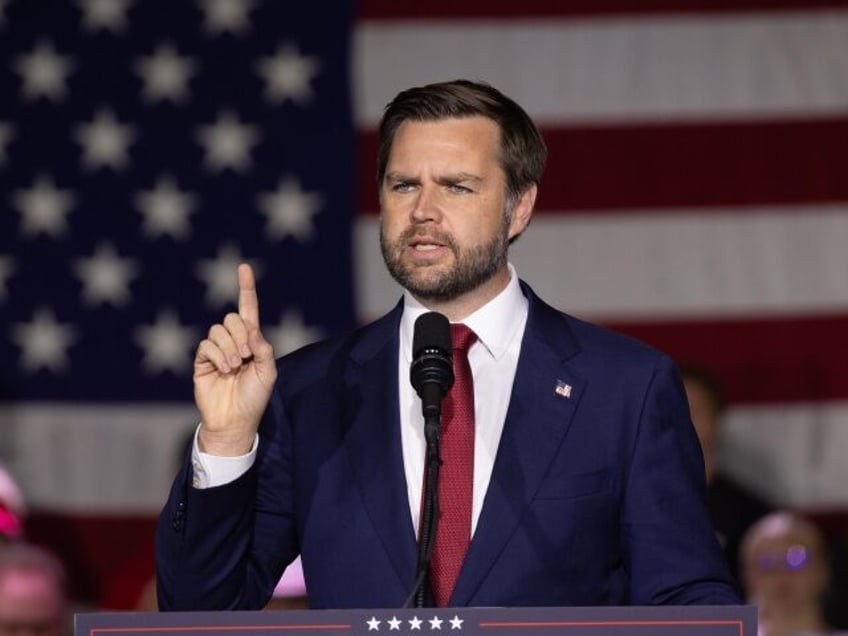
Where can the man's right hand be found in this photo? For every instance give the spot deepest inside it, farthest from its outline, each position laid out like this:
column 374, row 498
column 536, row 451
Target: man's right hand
column 234, row 374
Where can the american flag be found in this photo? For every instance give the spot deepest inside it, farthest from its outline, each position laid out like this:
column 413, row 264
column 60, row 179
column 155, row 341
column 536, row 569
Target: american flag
column 147, row 148
column 695, row 197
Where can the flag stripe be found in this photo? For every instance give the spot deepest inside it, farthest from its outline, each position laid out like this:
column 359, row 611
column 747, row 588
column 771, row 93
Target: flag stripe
column 794, row 455
column 655, row 166
column 787, row 434
column 760, row 360
column 475, row 10
column 661, row 266
column 697, row 68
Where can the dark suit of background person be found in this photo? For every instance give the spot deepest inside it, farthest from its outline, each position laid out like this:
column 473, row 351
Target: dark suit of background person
column 597, row 491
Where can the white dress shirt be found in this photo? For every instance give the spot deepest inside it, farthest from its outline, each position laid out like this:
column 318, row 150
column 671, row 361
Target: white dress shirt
column 499, row 326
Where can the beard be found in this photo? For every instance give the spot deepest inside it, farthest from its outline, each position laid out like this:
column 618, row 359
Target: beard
column 472, row 266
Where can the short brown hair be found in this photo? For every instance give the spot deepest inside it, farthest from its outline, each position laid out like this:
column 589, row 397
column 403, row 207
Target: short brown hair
column 523, row 151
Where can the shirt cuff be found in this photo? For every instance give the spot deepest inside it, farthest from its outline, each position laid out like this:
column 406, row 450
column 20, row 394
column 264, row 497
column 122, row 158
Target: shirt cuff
column 213, row 470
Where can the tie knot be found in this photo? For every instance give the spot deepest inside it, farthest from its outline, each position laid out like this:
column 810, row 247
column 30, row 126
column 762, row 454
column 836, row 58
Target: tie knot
column 462, row 336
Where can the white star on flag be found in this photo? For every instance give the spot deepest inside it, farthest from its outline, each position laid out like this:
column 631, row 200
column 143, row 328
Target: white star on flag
column 44, row 208
column 105, row 142
column 109, row 15
column 226, row 15
column 415, row 623
column 166, row 343
column 7, row 133
column 435, row 623
column 291, row 333
column 373, row 624
column 394, row 623
column 219, row 275
column 44, row 72
column 227, row 143
column 7, row 268
column 106, row 277
column 44, row 342
column 288, row 74
column 290, row 210
column 165, row 74
column 456, row 622
column 166, row 209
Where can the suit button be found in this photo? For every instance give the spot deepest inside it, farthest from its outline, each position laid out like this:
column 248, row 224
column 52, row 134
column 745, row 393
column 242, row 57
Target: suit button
column 177, row 522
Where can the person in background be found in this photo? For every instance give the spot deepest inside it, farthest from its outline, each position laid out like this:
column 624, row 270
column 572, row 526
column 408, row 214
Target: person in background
column 290, row 592
column 33, row 600
column 12, row 509
column 785, row 572
column 732, row 507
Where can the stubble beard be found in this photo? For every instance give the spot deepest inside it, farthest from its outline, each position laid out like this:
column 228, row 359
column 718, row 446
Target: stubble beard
column 472, row 267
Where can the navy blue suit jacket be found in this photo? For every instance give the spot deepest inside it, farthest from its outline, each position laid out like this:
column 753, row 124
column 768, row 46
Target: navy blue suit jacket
column 596, row 498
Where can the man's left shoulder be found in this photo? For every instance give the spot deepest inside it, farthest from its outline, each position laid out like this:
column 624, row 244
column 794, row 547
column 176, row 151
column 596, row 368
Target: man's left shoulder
column 589, row 340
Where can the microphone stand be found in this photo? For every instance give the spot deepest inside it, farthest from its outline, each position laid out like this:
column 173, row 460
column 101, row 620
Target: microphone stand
column 429, row 518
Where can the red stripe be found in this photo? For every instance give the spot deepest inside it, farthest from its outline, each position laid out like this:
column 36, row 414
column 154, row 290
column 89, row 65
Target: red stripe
column 662, row 166
column 477, row 9
column 760, row 359
column 109, row 558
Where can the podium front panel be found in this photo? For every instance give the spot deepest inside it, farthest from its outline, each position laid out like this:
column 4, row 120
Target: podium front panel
column 546, row 621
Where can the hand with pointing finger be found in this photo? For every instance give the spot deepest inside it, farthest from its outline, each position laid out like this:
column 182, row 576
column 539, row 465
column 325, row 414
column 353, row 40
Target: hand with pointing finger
column 234, row 374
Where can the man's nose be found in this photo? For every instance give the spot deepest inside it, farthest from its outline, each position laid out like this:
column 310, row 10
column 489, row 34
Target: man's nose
column 426, row 206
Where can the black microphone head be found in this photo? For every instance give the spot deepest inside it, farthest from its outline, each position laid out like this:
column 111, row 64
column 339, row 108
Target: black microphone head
column 432, row 331
column 431, row 372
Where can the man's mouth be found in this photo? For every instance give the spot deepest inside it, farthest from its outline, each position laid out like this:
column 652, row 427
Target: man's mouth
column 426, row 247
column 425, row 244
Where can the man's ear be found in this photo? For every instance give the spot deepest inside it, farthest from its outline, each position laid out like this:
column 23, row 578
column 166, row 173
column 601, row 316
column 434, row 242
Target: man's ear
column 522, row 212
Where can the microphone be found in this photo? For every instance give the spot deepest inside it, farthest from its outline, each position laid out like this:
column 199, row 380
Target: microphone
column 431, row 372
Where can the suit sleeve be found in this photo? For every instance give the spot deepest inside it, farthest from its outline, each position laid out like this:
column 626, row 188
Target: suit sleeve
column 672, row 553
column 225, row 547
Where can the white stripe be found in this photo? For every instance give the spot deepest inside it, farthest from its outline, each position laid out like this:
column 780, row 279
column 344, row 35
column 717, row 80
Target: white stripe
column 675, row 263
column 92, row 458
column 768, row 64
column 792, row 455
column 88, row 459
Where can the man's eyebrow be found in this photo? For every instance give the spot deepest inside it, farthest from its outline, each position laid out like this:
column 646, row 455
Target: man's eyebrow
column 397, row 176
column 459, row 177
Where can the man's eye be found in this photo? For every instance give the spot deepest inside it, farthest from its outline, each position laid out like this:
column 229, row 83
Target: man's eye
column 458, row 189
column 402, row 187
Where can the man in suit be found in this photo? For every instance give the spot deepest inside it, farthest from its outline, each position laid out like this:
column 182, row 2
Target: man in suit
column 588, row 482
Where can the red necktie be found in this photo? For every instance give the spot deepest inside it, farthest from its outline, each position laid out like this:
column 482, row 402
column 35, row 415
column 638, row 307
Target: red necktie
column 456, row 473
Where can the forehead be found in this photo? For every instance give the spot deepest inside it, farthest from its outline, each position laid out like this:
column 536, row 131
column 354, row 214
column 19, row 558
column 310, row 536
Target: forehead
column 452, row 137
column 782, row 540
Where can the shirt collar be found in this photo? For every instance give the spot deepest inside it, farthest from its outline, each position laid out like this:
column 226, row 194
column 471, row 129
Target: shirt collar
column 495, row 323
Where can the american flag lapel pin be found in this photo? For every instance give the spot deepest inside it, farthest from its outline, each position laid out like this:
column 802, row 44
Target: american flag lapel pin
column 562, row 389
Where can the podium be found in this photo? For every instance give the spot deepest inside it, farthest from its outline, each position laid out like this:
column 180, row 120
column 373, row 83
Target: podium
column 462, row 621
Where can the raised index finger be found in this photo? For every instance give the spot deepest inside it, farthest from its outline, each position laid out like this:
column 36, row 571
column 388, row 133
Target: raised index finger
column 248, row 302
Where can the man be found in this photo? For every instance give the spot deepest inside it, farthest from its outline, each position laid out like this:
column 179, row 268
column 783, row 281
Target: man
column 32, row 595
column 732, row 507
column 587, row 478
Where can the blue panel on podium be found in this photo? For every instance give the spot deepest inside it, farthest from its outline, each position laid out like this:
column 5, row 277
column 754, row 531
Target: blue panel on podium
column 549, row 621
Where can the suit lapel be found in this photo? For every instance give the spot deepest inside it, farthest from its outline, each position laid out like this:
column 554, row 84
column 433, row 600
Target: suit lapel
column 536, row 424
column 374, row 442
